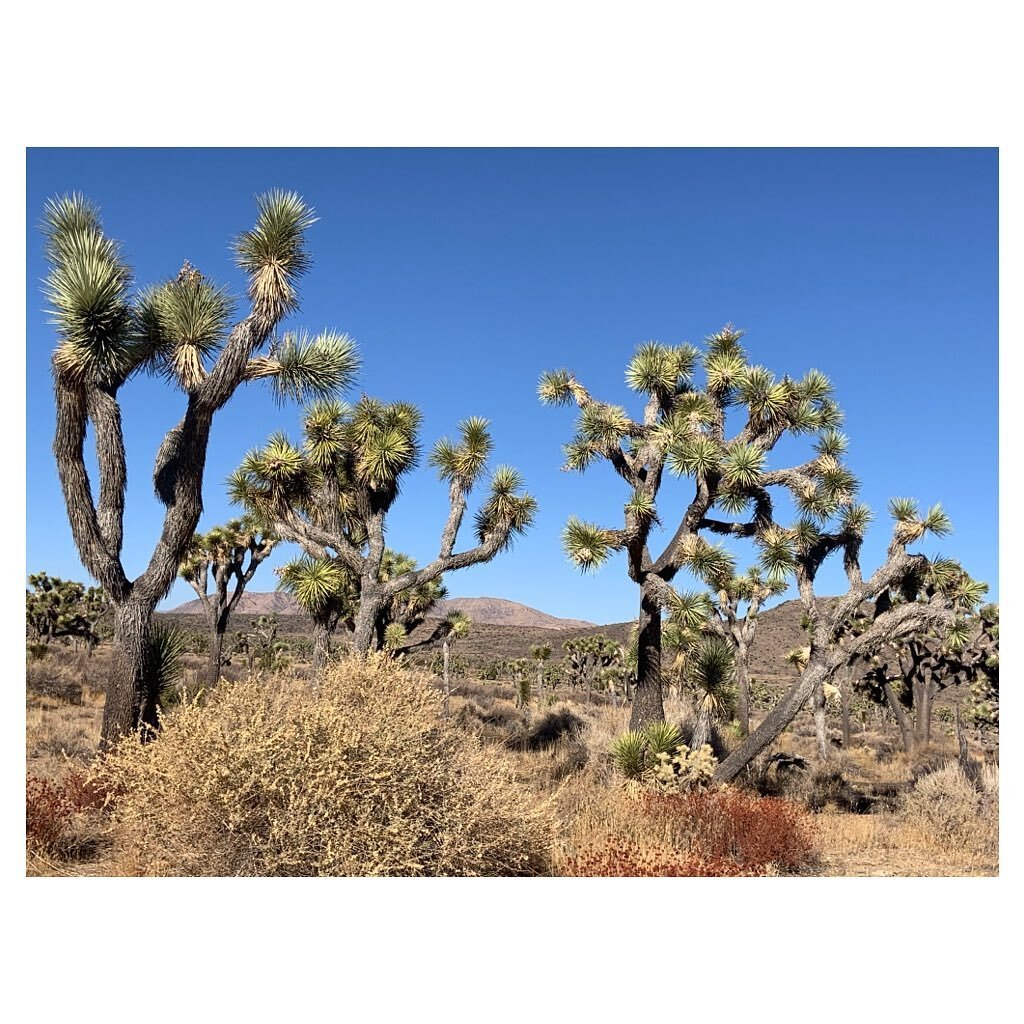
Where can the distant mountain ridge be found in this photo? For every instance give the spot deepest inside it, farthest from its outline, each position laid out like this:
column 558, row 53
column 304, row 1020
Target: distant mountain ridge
column 494, row 611
column 255, row 603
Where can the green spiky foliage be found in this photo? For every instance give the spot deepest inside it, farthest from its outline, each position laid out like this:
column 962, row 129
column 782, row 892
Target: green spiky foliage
column 186, row 331
column 711, row 680
column 165, row 663
column 629, row 755
column 56, row 608
column 224, row 559
column 716, row 417
column 332, row 494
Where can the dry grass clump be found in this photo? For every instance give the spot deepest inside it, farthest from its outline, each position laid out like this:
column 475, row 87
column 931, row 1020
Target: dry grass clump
column 954, row 811
column 364, row 778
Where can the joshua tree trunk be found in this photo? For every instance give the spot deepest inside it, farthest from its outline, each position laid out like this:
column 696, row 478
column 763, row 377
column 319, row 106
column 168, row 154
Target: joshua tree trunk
column 128, row 704
column 648, row 705
column 540, row 686
column 701, row 730
column 371, row 602
column 743, row 688
column 321, row 647
column 820, row 723
column 446, row 658
column 844, row 701
column 216, row 654
column 902, row 719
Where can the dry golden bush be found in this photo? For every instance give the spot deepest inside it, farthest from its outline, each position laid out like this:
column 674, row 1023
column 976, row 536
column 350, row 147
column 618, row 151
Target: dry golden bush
column 364, row 778
column 955, row 812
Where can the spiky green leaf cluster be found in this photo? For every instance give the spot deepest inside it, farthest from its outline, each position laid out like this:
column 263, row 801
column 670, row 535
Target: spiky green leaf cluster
column 463, row 461
column 87, row 289
column 506, row 511
column 776, row 558
column 660, row 370
column 709, row 562
column 313, row 367
column 314, row 582
column 587, row 544
column 558, row 387
column 274, row 253
column 696, row 455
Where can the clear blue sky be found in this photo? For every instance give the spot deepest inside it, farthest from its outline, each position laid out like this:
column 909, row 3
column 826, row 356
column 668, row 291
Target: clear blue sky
column 464, row 273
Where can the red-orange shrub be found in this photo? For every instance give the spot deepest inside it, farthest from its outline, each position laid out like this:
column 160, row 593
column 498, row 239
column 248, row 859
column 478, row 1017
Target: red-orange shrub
column 47, row 813
column 749, row 830
column 82, row 793
column 627, row 859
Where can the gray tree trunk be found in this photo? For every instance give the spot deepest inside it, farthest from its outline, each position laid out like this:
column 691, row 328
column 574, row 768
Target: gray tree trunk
column 820, row 723
column 648, row 702
column 743, row 688
column 128, row 705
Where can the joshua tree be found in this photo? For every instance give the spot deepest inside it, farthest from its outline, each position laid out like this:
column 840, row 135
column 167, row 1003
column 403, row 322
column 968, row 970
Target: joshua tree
column 683, row 429
column 908, row 675
column 228, row 554
column 333, row 495
column 181, row 330
column 908, row 594
column 63, row 608
column 454, row 627
column 587, row 657
column 540, row 654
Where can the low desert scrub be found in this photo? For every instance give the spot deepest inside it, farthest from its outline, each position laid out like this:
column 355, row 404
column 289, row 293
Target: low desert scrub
column 954, row 811
column 724, row 832
column 62, row 818
column 364, row 778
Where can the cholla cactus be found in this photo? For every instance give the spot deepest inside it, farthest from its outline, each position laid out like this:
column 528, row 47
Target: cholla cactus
column 333, row 494
column 229, row 556
column 183, row 331
column 656, row 756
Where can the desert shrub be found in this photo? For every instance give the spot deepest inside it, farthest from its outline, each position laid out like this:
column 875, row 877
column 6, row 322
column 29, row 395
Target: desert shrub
column 363, row 778
column 755, row 832
column 628, row 859
column 50, row 678
column 47, row 814
column 555, row 725
column 826, row 785
column 36, row 652
column 953, row 811
column 718, row 833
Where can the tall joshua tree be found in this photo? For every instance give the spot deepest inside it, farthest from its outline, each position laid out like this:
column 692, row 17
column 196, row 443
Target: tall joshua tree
column 683, row 430
column 181, row 330
column 229, row 556
column 333, row 495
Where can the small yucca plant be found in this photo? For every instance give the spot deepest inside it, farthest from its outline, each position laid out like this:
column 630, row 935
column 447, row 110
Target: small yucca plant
column 629, row 755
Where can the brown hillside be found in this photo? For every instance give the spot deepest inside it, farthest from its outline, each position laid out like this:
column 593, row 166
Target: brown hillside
column 496, row 611
column 249, row 604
